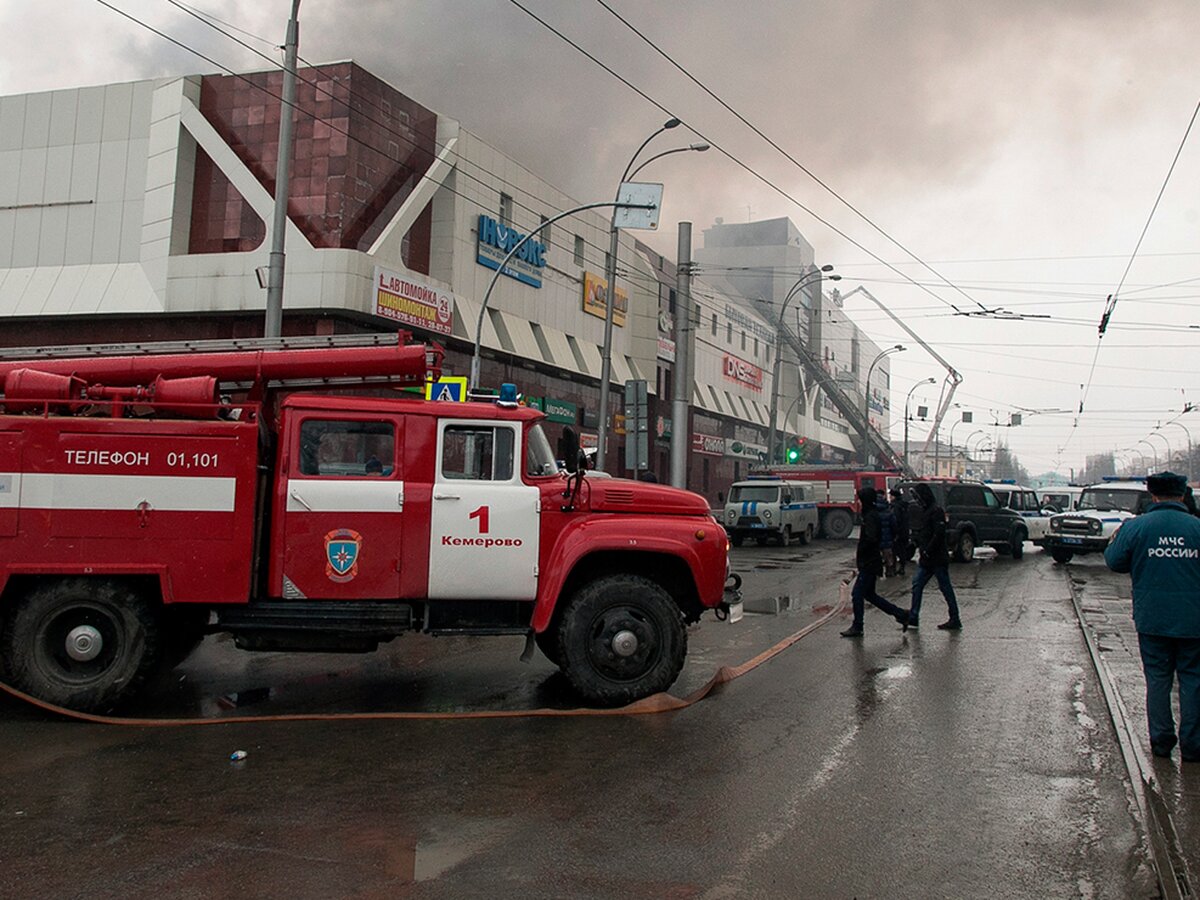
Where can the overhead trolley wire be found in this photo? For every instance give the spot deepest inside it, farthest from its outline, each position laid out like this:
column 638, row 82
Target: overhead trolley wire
column 729, row 155
column 788, row 156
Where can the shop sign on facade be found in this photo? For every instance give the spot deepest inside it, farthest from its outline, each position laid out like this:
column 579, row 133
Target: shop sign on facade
column 745, row 449
column 535, row 403
column 708, row 444
column 744, row 373
column 495, row 241
column 588, row 442
column 666, row 349
column 662, row 428
column 595, row 290
column 618, row 423
column 411, row 300
column 560, row 411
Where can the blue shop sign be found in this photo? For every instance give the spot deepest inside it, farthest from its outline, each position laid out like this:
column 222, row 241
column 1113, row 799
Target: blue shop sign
column 496, row 242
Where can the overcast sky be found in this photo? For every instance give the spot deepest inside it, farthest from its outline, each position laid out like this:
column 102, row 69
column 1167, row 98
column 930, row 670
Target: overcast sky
column 1016, row 146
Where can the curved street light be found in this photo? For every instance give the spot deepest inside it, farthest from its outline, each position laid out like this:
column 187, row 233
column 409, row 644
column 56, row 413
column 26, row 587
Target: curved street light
column 802, row 282
column 1153, row 450
column 1158, row 434
column 610, row 290
column 1188, row 463
column 898, row 348
column 908, row 397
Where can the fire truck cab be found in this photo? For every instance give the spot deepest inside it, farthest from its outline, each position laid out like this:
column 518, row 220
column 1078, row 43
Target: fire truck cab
column 139, row 518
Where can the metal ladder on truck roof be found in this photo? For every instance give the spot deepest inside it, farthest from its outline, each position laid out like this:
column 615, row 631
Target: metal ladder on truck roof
column 230, row 345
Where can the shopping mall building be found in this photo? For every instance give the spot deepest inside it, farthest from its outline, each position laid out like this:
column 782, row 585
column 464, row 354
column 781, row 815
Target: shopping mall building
column 142, row 211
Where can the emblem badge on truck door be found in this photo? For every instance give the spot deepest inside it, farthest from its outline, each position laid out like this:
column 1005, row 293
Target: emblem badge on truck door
column 341, row 554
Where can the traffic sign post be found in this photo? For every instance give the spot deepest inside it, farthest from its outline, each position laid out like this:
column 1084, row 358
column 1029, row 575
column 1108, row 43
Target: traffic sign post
column 637, row 426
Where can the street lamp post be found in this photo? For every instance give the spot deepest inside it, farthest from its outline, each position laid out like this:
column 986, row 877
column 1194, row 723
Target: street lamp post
column 929, row 380
column 273, row 324
column 610, row 291
column 483, row 306
column 1153, row 451
column 898, row 348
column 1159, row 434
column 804, row 281
column 1188, row 464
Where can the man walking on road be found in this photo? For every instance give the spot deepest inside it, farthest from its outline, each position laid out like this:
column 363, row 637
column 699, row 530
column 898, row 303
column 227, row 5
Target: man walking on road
column 1160, row 549
column 933, row 561
column 868, row 559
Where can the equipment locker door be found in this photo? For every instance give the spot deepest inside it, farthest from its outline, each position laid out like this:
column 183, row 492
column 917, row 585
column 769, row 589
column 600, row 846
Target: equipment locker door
column 485, row 521
column 345, row 500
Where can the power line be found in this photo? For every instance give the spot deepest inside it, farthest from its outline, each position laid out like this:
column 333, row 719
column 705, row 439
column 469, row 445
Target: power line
column 788, row 156
column 726, row 153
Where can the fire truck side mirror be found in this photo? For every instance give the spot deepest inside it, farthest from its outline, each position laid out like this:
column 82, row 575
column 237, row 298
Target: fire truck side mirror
column 568, row 448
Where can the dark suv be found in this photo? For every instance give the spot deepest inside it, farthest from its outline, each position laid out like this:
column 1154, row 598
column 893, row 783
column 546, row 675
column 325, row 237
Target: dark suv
column 973, row 516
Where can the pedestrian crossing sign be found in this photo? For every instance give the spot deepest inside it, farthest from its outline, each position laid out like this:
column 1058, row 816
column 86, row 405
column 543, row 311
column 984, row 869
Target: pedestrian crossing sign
column 450, row 387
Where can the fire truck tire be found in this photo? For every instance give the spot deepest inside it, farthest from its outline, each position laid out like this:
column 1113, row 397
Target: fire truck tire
column 837, row 524
column 622, row 639
column 547, row 642
column 80, row 643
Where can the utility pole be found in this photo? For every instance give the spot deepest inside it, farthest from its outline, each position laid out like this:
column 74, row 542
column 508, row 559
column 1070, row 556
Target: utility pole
column 680, row 431
column 273, row 327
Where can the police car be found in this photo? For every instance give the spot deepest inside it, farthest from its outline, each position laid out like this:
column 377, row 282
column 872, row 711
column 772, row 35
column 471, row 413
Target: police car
column 771, row 508
column 1025, row 503
column 1101, row 510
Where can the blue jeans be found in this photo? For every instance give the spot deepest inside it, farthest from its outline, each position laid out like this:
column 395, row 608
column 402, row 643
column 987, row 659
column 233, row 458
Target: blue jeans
column 864, row 590
column 920, row 579
column 1162, row 659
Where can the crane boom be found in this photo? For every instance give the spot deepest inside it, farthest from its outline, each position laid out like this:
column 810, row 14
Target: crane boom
column 953, row 377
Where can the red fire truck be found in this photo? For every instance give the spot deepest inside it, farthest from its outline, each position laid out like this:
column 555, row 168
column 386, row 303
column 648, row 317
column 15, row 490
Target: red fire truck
column 837, row 491
column 149, row 498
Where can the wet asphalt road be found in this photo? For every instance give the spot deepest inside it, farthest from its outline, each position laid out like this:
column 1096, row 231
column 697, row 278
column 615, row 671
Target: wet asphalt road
column 926, row 764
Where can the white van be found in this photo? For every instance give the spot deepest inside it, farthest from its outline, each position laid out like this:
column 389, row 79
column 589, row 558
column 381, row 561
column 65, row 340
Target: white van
column 1028, row 505
column 764, row 508
column 1062, row 497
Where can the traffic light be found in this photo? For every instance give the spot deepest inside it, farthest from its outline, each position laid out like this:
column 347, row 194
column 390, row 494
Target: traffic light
column 792, row 456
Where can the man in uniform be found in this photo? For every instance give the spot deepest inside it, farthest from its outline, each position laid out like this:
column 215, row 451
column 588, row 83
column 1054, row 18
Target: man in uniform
column 1160, row 549
column 868, row 559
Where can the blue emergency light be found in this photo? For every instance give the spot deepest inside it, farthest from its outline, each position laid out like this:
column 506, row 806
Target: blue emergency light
column 508, row 395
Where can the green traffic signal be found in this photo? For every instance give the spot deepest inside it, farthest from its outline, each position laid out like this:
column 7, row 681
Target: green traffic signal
column 793, row 454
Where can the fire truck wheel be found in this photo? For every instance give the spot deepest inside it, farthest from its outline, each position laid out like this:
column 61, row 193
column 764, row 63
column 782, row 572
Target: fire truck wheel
column 547, row 642
column 838, row 524
column 622, row 639
column 80, row 643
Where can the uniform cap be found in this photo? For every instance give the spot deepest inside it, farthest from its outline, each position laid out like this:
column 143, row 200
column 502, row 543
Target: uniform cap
column 1166, row 484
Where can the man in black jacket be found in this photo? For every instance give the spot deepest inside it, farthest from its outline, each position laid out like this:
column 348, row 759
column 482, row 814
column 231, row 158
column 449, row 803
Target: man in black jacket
column 868, row 559
column 933, row 560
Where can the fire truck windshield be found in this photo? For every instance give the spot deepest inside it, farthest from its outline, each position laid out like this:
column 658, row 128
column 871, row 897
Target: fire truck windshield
column 539, row 459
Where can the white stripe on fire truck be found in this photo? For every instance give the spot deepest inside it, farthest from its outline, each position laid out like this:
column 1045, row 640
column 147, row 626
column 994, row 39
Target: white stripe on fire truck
column 325, row 495
column 178, row 493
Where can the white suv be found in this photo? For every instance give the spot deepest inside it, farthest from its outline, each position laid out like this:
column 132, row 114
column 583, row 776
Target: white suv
column 1101, row 510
